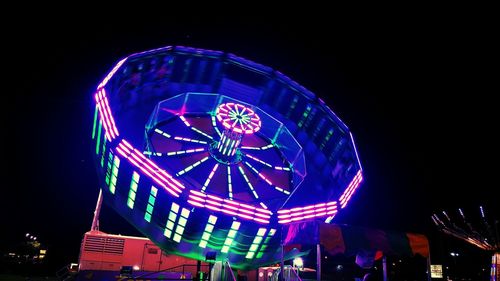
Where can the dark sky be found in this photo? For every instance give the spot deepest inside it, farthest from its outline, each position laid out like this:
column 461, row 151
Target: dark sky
column 414, row 87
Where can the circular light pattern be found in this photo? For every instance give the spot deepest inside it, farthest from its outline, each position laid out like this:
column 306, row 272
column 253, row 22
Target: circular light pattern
column 200, row 167
column 238, row 118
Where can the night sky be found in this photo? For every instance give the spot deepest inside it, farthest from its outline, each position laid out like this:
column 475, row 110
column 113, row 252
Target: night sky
column 414, row 88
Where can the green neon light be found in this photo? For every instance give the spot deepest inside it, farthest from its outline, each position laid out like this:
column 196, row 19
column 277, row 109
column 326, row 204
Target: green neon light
column 205, row 236
column 133, row 190
column 114, row 174
column 208, row 231
column 231, row 233
column 266, row 242
column 230, row 236
column 256, row 243
column 172, row 217
column 326, row 139
column 108, row 170
column 203, row 244
column 177, row 238
column 98, row 140
column 179, row 230
column 151, row 203
column 185, row 212
column 212, row 219
column 103, row 156
column 304, row 116
column 95, row 122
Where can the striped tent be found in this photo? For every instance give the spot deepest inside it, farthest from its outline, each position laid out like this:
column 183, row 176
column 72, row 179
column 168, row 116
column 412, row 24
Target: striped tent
column 352, row 240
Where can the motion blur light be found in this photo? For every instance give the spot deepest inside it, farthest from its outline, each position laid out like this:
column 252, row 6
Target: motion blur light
column 298, row 262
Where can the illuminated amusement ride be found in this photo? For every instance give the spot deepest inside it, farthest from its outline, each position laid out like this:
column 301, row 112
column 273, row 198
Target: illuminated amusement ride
column 206, row 152
column 480, row 231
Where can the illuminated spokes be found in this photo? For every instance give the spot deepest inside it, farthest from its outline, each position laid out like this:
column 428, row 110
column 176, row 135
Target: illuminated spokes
column 265, row 163
column 186, row 122
column 158, row 131
column 172, row 153
column 266, row 179
column 248, row 183
column 257, row 148
column 190, row 167
column 209, row 178
column 214, row 124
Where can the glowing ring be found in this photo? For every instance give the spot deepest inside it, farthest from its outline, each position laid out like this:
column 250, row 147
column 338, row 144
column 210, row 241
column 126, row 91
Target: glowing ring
column 238, row 118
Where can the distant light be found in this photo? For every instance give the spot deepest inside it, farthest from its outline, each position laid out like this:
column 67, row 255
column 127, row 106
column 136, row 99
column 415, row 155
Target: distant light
column 453, row 254
column 27, row 234
column 34, row 238
column 482, row 211
column 136, row 267
column 31, row 237
column 339, row 267
column 298, row 262
column 43, row 252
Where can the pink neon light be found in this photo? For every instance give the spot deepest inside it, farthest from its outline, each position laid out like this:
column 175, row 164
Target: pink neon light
column 349, row 187
column 151, row 169
column 316, row 211
column 238, row 118
column 107, row 108
column 227, row 206
column 307, row 212
column 346, row 196
column 105, row 122
column 194, row 203
column 145, row 171
column 106, row 79
column 162, row 172
column 260, row 220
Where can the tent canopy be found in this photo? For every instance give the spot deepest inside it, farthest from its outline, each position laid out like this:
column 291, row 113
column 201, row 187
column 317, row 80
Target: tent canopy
column 352, row 240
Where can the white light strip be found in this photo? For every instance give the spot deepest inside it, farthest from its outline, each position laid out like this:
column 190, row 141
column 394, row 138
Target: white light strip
column 190, row 167
column 207, row 182
column 229, row 183
column 266, row 179
column 202, row 133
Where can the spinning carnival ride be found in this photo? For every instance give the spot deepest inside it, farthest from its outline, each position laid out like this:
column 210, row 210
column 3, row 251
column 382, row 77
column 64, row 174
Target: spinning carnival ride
column 204, row 151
